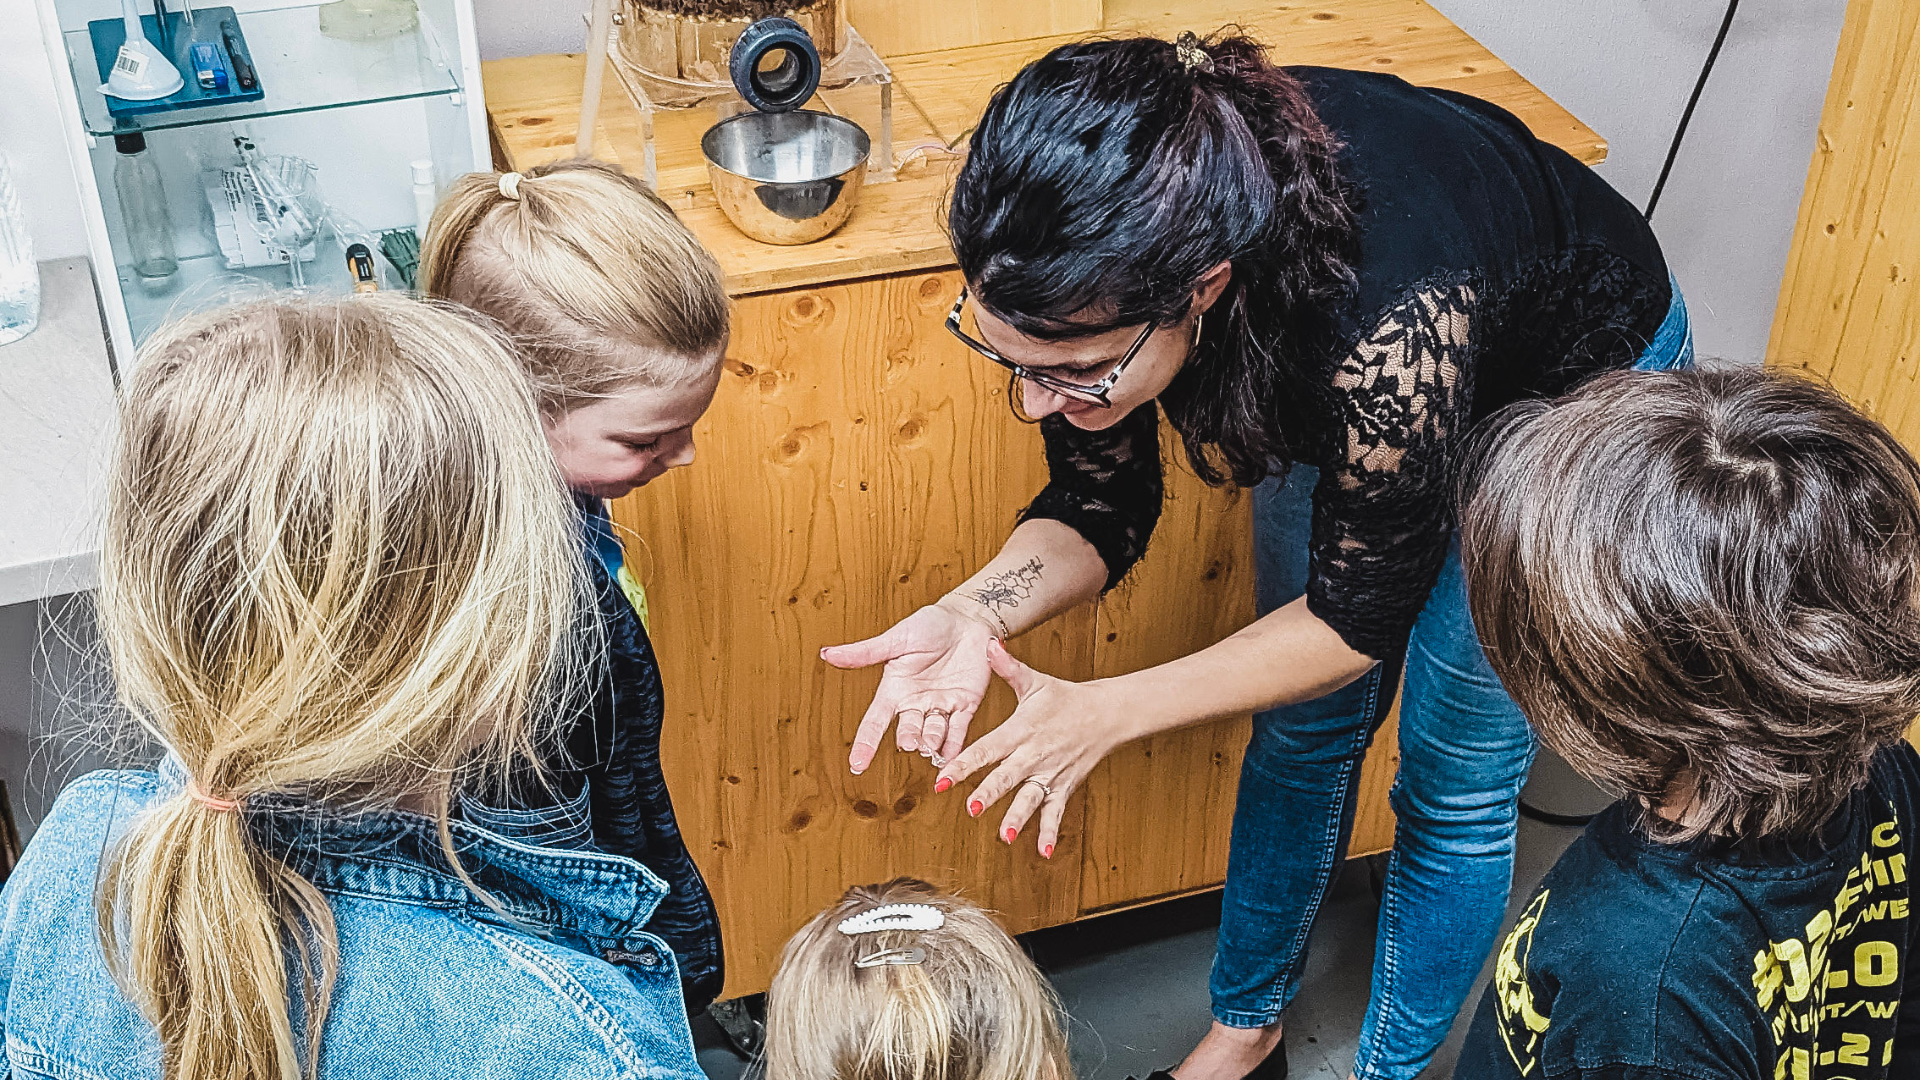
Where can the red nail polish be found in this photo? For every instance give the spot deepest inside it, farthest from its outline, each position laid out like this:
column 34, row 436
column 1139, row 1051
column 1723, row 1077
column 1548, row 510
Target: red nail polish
column 1047, row 852
column 974, row 808
column 1009, row 834
column 941, row 785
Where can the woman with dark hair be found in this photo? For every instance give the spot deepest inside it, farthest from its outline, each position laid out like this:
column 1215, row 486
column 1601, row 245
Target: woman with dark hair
column 1324, row 278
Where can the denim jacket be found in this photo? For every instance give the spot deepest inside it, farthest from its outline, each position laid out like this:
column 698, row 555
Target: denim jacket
column 432, row 981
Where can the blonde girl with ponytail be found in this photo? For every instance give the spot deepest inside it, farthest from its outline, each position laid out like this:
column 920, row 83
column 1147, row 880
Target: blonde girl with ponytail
column 342, row 588
column 618, row 316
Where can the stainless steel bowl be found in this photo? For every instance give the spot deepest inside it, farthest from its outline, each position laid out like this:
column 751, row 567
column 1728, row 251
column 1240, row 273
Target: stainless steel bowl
column 786, row 178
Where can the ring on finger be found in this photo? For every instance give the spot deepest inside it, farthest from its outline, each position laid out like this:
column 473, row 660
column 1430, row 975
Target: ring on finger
column 1039, row 783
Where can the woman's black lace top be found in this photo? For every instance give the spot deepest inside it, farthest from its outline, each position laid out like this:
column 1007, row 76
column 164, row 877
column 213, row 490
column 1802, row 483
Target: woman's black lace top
column 1491, row 267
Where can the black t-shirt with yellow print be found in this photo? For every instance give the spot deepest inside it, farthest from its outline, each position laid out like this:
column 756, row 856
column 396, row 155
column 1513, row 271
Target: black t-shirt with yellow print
column 1637, row 960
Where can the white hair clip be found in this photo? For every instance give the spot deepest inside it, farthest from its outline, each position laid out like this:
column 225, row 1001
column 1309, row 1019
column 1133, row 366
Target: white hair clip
column 894, row 917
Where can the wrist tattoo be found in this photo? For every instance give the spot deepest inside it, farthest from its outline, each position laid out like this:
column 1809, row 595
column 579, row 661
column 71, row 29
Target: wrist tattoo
column 1005, row 591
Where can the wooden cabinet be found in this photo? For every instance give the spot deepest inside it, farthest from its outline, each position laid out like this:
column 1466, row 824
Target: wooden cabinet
column 1849, row 311
column 859, row 462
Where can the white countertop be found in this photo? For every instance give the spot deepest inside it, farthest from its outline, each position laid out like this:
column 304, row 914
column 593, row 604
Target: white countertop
column 56, row 420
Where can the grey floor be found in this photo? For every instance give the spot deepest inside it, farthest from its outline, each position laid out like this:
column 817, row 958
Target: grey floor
column 1135, row 984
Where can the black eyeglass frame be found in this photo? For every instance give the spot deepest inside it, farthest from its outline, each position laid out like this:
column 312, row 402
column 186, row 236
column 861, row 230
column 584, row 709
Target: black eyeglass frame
column 1098, row 393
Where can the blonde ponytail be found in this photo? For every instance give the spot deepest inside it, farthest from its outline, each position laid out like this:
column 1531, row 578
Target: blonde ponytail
column 573, row 259
column 339, row 567
column 187, row 878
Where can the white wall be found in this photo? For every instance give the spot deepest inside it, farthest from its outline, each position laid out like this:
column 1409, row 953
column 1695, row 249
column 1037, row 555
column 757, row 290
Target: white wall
column 518, row 28
column 1626, row 67
column 30, row 136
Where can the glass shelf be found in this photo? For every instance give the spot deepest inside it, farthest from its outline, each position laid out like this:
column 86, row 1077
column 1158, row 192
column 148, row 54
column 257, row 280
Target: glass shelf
column 300, row 70
column 204, row 281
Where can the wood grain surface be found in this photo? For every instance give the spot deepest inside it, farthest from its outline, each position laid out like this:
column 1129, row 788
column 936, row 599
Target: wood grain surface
column 1848, row 310
column 1158, row 811
column 905, row 26
column 1407, row 38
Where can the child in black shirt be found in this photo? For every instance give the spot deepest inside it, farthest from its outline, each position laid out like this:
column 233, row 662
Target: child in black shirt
column 1704, row 591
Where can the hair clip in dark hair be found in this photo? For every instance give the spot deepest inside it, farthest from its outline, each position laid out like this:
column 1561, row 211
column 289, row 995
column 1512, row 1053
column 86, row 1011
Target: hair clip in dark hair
column 1193, row 55
column 892, row 958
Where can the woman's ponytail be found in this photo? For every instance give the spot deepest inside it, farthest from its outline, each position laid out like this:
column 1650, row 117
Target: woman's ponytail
column 197, row 929
column 1313, row 204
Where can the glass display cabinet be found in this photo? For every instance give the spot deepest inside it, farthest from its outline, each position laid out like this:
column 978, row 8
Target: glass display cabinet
column 295, row 131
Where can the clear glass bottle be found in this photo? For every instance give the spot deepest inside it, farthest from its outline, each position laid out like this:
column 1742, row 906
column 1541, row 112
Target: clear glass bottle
column 19, row 274
column 143, row 207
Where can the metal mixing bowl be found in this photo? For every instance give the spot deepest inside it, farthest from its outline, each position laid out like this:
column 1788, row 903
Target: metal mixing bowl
column 786, row 178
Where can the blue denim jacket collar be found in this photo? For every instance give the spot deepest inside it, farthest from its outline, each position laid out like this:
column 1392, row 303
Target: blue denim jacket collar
column 601, row 901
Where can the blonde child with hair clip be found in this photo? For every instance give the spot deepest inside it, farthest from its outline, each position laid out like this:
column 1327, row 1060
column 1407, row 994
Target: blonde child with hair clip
column 618, row 316
column 902, row 981
column 340, row 586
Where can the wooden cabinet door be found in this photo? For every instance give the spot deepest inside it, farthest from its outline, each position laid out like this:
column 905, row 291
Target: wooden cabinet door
column 858, row 462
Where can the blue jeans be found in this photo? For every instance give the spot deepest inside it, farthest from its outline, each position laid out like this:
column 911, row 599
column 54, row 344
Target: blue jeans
column 1464, row 754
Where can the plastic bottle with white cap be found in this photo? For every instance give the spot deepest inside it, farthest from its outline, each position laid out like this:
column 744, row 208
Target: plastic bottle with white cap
column 425, row 195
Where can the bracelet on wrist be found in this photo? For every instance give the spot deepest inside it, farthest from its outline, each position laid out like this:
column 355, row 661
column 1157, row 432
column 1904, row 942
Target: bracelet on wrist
column 997, row 624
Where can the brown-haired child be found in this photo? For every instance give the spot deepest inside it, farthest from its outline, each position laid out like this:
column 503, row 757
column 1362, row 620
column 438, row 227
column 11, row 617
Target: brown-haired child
column 1703, row 589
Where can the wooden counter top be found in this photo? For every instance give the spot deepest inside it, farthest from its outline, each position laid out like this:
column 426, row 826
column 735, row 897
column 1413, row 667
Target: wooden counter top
column 533, row 108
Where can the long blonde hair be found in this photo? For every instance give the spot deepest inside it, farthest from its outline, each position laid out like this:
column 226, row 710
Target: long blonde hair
column 340, row 566
column 976, row 1008
column 569, row 258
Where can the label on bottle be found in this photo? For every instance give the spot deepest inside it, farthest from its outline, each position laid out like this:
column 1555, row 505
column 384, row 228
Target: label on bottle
column 130, row 63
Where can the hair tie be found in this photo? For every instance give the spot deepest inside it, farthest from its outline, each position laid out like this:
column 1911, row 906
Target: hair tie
column 510, row 186
column 208, row 801
column 1193, row 55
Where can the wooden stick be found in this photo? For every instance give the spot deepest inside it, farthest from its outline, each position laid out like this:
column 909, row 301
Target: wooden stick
column 597, row 30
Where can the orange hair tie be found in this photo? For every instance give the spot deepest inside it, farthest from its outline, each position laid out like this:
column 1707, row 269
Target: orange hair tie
column 208, row 801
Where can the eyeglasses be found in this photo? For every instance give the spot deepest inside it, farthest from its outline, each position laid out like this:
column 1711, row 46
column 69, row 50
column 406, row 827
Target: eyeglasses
column 1097, row 393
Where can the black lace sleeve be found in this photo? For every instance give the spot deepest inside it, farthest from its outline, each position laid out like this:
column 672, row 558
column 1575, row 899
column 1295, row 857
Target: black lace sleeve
column 1383, row 509
column 1106, row 485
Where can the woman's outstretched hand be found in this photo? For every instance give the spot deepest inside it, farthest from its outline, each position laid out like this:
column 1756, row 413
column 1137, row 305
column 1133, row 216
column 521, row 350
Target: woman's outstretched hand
column 935, row 676
column 1056, row 735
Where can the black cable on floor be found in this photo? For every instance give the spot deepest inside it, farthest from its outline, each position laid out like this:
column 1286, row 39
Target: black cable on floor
column 1548, row 818
column 1686, row 117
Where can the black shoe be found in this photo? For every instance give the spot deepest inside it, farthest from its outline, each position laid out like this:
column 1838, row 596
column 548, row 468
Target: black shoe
column 1273, row 1067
